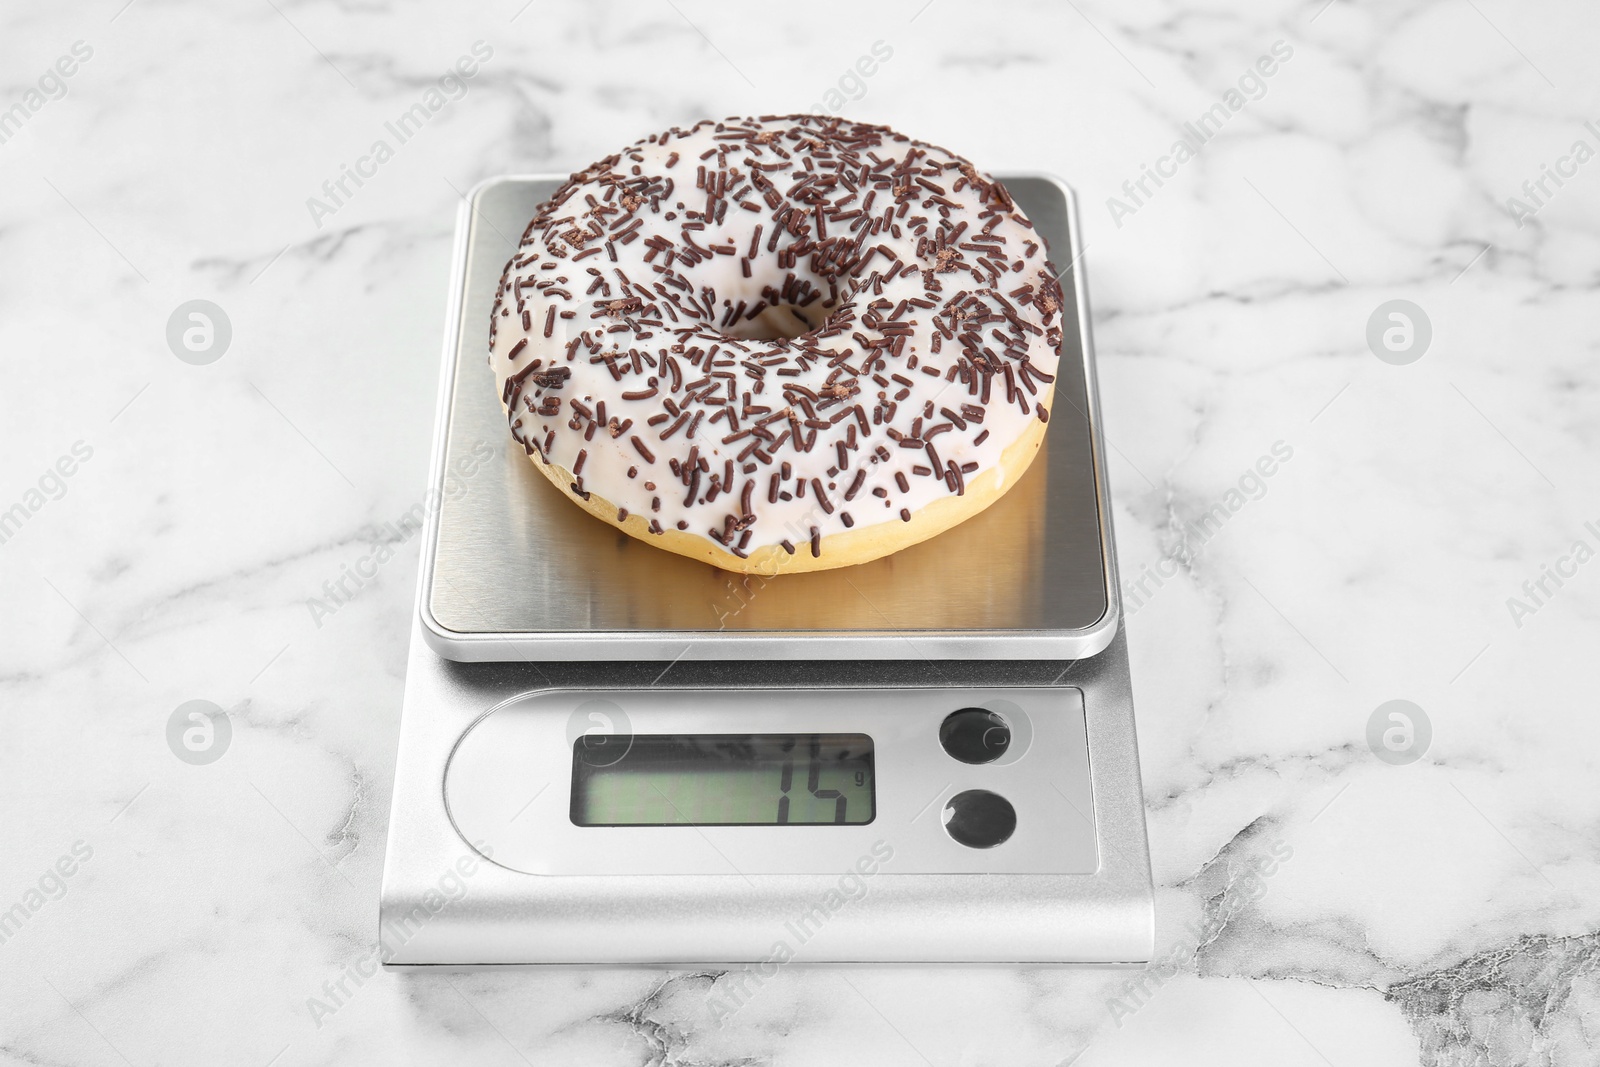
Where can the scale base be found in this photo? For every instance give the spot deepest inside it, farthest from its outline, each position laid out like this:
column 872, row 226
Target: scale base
column 445, row 904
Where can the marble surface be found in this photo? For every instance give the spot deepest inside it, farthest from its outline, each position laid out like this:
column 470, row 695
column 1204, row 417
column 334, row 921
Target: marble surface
column 1317, row 904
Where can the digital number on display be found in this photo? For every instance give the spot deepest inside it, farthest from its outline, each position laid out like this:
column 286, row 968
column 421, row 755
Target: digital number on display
column 724, row 780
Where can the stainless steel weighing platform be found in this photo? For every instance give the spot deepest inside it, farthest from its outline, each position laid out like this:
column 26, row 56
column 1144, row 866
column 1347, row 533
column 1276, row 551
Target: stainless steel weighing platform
column 542, row 636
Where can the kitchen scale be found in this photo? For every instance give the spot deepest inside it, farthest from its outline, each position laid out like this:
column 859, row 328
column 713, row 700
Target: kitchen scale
column 613, row 754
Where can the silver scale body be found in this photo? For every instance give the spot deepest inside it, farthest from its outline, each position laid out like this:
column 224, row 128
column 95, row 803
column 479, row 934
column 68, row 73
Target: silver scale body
column 528, row 610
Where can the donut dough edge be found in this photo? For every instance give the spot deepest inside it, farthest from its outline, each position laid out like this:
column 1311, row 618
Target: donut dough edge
column 846, row 548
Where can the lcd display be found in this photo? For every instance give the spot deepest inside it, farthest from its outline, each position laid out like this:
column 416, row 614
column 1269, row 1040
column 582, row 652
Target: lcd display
column 723, row 780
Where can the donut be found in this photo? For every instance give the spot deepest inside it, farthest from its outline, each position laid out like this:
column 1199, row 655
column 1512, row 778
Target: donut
column 780, row 344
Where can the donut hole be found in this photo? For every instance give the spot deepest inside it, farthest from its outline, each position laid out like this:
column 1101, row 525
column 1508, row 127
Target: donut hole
column 777, row 306
column 775, row 321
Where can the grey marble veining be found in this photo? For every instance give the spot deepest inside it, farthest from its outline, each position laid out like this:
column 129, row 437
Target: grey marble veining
column 1427, row 532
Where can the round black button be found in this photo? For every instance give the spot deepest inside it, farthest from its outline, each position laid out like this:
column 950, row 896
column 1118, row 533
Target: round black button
column 975, row 735
column 979, row 818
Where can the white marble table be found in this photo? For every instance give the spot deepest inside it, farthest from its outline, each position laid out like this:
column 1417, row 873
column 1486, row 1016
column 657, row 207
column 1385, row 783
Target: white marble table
column 1437, row 911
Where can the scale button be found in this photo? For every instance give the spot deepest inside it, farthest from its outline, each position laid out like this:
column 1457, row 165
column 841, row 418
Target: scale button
column 975, row 735
column 978, row 818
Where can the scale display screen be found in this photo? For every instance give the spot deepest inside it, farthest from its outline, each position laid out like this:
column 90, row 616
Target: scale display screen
column 723, row 780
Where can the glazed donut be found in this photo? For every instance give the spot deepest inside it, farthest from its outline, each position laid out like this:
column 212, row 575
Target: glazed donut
column 779, row 344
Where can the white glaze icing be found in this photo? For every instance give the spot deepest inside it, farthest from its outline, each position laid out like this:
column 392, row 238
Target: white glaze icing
column 911, row 276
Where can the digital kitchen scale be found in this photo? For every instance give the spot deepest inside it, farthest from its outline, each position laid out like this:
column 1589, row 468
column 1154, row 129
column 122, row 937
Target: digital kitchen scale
column 613, row 754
